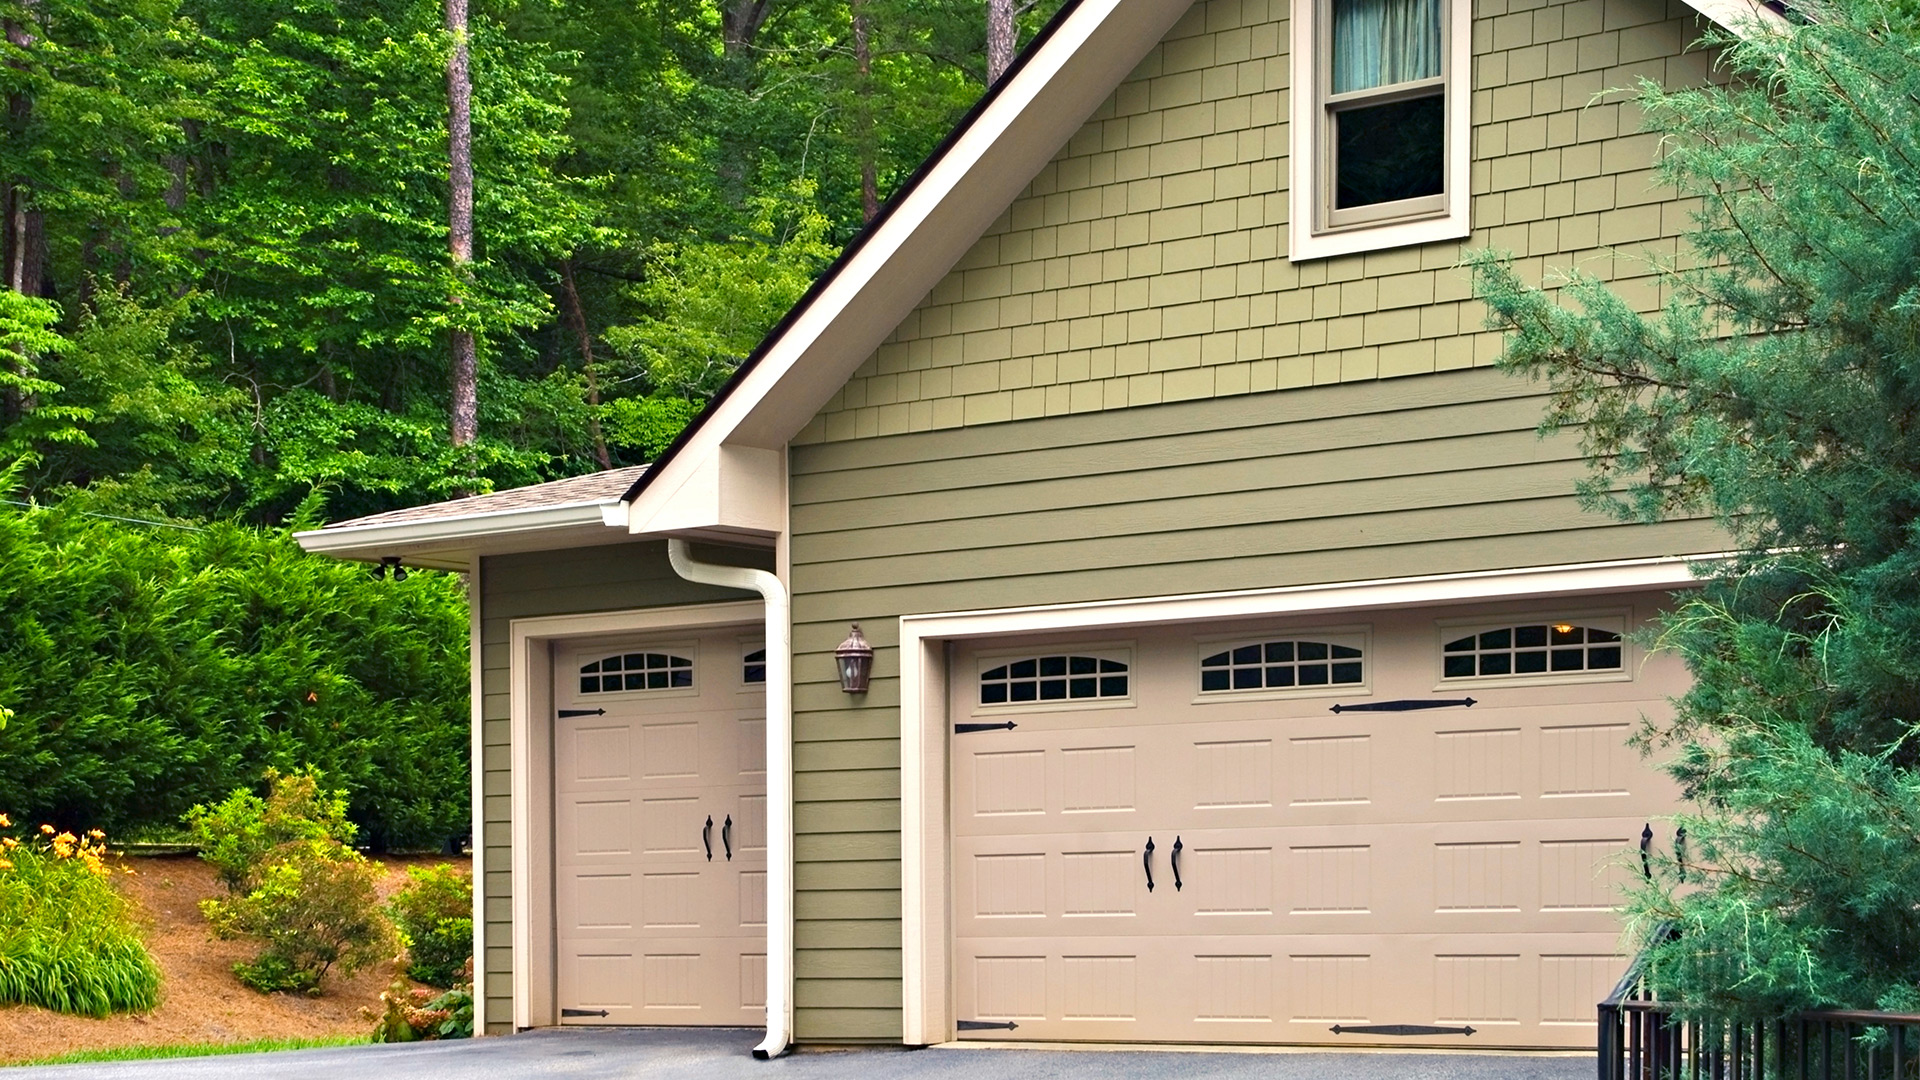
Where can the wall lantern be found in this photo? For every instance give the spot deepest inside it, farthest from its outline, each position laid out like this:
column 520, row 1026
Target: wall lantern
column 855, row 658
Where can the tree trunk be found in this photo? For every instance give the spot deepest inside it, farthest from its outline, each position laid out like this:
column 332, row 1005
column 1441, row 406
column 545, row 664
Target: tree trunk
column 579, row 318
column 740, row 23
column 24, row 230
column 863, row 59
column 463, row 363
column 1000, row 39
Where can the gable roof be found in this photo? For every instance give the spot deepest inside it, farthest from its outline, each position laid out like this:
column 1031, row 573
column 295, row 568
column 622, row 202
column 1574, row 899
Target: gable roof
column 1061, row 78
column 758, row 408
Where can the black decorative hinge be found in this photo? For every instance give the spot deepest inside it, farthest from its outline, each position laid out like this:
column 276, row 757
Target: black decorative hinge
column 583, row 1012
column 985, row 1025
column 968, row 729
column 564, row 713
column 1405, row 705
column 1398, row 1029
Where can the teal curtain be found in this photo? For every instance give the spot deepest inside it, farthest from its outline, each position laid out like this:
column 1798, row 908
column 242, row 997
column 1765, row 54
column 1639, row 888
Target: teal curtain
column 1382, row 42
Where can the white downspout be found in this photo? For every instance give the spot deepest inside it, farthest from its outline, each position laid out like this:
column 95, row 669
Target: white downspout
column 779, row 781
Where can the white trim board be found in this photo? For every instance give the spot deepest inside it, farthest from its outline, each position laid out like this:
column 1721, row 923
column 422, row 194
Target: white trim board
column 530, row 682
column 926, row 919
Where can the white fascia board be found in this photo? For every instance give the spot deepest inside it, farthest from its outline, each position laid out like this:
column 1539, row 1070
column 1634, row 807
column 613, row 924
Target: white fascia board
column 1042, row 105
column 371, row 541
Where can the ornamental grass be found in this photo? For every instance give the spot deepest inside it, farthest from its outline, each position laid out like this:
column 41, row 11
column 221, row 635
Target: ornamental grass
column 67, row 940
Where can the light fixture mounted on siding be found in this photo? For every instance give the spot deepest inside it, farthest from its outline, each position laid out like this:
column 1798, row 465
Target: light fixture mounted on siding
column 389, row 563
column 855, row 659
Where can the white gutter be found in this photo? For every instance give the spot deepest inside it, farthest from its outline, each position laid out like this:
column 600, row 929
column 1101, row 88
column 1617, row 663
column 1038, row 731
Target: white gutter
column 486, row 525
column 779, row 781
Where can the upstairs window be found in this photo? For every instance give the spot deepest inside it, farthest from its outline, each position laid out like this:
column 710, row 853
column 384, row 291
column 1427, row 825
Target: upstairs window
column 1053, row 678
column 636, row 671
column 1380, row 115
column 1281, row 665
column 1562, row 648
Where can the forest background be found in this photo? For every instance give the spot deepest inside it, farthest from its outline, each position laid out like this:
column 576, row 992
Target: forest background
column 231, row 288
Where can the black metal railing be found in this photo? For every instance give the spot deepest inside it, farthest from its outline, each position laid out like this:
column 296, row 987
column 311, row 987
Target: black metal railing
column 1641, row 1039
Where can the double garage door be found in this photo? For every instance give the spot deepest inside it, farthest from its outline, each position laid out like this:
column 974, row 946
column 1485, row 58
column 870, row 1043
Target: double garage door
column 1304, row 833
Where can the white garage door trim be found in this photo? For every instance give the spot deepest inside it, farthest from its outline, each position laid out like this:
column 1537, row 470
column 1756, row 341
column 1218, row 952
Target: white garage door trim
column 530, row 725
column 927, row 922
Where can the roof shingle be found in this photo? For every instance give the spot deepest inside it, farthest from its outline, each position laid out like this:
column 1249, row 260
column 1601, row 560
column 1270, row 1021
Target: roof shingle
column 594, row 488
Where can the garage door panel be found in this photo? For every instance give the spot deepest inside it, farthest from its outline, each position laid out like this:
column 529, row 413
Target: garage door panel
column 1446, row 867
column 656, row 923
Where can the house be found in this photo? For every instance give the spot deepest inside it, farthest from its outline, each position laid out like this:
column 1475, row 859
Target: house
column 1245, row 669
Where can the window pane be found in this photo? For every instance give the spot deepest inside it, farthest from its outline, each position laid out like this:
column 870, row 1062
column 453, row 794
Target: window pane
column 1608, row 657
column 1459, row 667
column 1279, row 676
column 1113, row 686
column 993, row 693
column 1464, row 644
column 1053, row 665
column 1246, row 678
column 1382, row 42
column 1386, row 153
column 1022, row 669
column 1083, row 665
column 1568, row 659
column 1529, row 636
column 1529, row 662
column 1213, row 680
column 1495, row 639
column 1247, row 654
column 1346, row 673
column 1053, row 689
column 1218, row 659
column 1085, row 687
column 1023, row 691
column 590, row 686
column 1493, row 664
column 1313, row 674
column 1313, row 650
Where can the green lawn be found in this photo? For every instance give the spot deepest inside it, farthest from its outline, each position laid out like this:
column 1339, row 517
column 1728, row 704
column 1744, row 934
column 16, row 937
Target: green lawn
column 177, row 1050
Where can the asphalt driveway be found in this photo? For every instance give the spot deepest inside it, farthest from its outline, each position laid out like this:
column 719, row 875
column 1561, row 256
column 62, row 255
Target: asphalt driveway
column 586, row 1054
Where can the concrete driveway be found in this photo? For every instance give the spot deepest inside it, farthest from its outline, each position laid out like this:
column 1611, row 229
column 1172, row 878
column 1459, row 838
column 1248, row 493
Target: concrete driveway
column 586, row 1054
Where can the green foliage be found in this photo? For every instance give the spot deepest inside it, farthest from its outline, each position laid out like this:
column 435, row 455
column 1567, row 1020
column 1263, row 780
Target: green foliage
column 1776, row 390
column 412, row 1013
column 434, row 914
column 152, row 669
column 67, row 939
column 239, row 835
column 315, row 905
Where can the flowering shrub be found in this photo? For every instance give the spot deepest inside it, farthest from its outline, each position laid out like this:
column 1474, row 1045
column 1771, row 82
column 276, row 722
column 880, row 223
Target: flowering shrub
column 435, row 916
column 411, row 1013
column 67, row 942
column 239, row 835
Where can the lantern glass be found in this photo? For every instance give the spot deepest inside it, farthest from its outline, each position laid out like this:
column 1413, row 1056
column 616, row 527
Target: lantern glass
column 854, row 658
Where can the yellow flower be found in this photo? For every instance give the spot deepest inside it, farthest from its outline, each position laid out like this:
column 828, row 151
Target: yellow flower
column 5, row 821
column 48, row 829
column 96, row 834
column 9, row 842
column 6, row 864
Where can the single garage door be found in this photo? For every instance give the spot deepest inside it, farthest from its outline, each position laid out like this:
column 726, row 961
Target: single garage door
column 660, row 857
column 1282, row 833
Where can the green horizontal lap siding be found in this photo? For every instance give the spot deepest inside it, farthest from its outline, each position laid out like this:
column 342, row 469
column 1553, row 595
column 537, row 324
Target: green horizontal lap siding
column 1422, row 475
column 614, row 578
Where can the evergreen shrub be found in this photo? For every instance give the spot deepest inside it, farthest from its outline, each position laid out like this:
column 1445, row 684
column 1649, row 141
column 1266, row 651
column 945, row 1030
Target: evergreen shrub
column 151, row 669
column 67, row 940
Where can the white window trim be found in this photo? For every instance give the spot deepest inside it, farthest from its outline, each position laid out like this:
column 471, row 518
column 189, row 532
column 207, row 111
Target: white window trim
column 1306, row 183
column 926, row 649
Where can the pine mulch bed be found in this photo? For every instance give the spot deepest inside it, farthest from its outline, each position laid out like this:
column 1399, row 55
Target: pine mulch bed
column 200, row 1000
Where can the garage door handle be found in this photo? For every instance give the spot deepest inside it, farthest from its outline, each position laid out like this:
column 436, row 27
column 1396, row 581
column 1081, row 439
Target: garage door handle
column 726, row 837
column 1175, row 860
column 706, row 837
column 1146, row 860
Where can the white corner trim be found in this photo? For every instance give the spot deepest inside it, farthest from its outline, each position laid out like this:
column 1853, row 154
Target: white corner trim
column 477, row 750
column 525, row 637
column 1304, row 140
column 926, row 920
